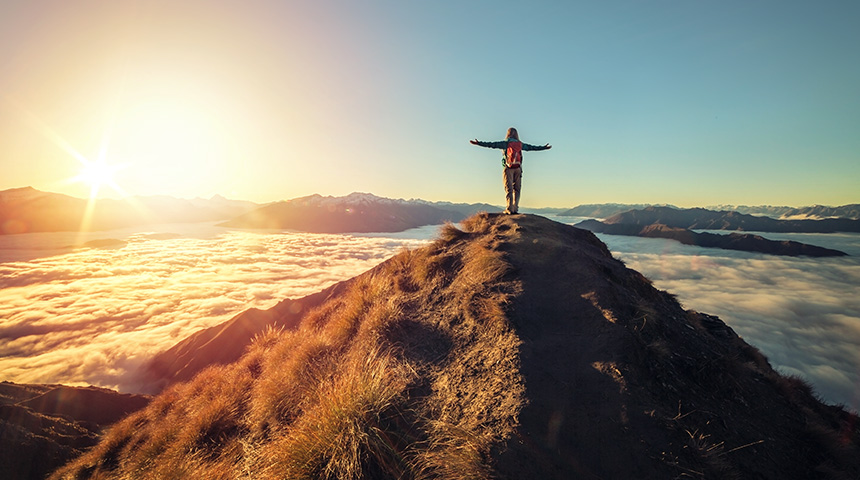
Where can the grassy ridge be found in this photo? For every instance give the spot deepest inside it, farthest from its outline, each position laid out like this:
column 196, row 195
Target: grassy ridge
column 413, row 373
column 419, row 367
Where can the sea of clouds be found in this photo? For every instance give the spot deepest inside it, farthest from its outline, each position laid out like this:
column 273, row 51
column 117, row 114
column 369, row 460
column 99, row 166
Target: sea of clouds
column 802, row 313
column 95, row 315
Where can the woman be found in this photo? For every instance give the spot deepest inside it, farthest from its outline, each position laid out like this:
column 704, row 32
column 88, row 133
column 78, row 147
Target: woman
column 512, row 161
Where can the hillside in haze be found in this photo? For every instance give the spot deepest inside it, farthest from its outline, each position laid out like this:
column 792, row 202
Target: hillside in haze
column 732, row 241
column 702, row 219
column 27, row 210
column 467, row 209
column 812, row 212
column 514, row 348
column 356, row 212
column 602, row 210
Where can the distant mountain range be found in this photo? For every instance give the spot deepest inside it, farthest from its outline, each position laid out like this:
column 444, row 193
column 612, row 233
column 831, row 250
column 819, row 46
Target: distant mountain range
column 356, row 212
column 703, row 219
column 678, row 224
column 732, row 241
column 815, row 212
column 604, row 210
column 467, row 209
column 27, row 210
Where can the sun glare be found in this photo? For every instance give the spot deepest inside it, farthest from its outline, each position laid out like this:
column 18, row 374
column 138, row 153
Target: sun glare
column 96, row 175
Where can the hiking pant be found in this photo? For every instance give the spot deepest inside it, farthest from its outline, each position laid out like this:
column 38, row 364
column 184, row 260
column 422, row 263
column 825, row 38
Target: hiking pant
column 513, row 181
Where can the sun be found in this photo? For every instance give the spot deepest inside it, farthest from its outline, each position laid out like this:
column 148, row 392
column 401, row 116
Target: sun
column 97, row 174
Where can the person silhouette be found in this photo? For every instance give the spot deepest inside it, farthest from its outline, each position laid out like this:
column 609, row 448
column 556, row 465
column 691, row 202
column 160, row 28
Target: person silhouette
column 512, row 161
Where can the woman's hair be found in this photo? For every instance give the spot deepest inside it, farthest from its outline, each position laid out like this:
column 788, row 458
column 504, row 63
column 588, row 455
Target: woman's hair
column 512, row 133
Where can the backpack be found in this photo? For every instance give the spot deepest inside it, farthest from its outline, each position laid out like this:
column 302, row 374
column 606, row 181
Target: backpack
column 514, row 154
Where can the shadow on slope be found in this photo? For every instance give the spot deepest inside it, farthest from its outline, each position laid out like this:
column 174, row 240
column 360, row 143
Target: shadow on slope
column 43, row 427
column 516, row 347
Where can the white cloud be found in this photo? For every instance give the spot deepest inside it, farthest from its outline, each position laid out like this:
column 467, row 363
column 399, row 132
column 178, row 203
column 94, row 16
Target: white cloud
column 803, row 313
column 93, row 316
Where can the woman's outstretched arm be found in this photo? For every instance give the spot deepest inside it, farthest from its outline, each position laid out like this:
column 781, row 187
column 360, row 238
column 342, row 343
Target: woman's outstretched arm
column 528, row 147
column 479, row 143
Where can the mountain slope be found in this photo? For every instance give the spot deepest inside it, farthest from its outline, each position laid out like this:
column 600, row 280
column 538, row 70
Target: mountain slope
column 43, row 427
column 516, row 347
column 225, row 343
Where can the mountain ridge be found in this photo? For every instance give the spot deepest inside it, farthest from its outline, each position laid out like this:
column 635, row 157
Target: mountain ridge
column 511, row 347
column 703, row 219
column 357, row 212
column 27, row 210
column 42, row 427
column 733, row 241
column 225, row 343
column 810, row 212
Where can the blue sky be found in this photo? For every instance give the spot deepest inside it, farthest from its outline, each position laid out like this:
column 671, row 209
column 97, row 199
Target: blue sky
column 682, row 102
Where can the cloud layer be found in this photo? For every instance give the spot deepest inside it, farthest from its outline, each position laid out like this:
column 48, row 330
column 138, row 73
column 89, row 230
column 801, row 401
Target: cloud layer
column 803, row 313
column 92, row 316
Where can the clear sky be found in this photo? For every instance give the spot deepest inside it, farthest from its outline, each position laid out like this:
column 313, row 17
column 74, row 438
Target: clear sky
column 689, row 102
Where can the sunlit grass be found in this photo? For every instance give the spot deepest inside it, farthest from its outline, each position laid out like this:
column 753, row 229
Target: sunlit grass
column 413, row 372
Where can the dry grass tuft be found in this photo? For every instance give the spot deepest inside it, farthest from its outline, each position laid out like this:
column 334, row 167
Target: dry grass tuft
column 478, row 224
column 454, row 452
column 348, row 422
